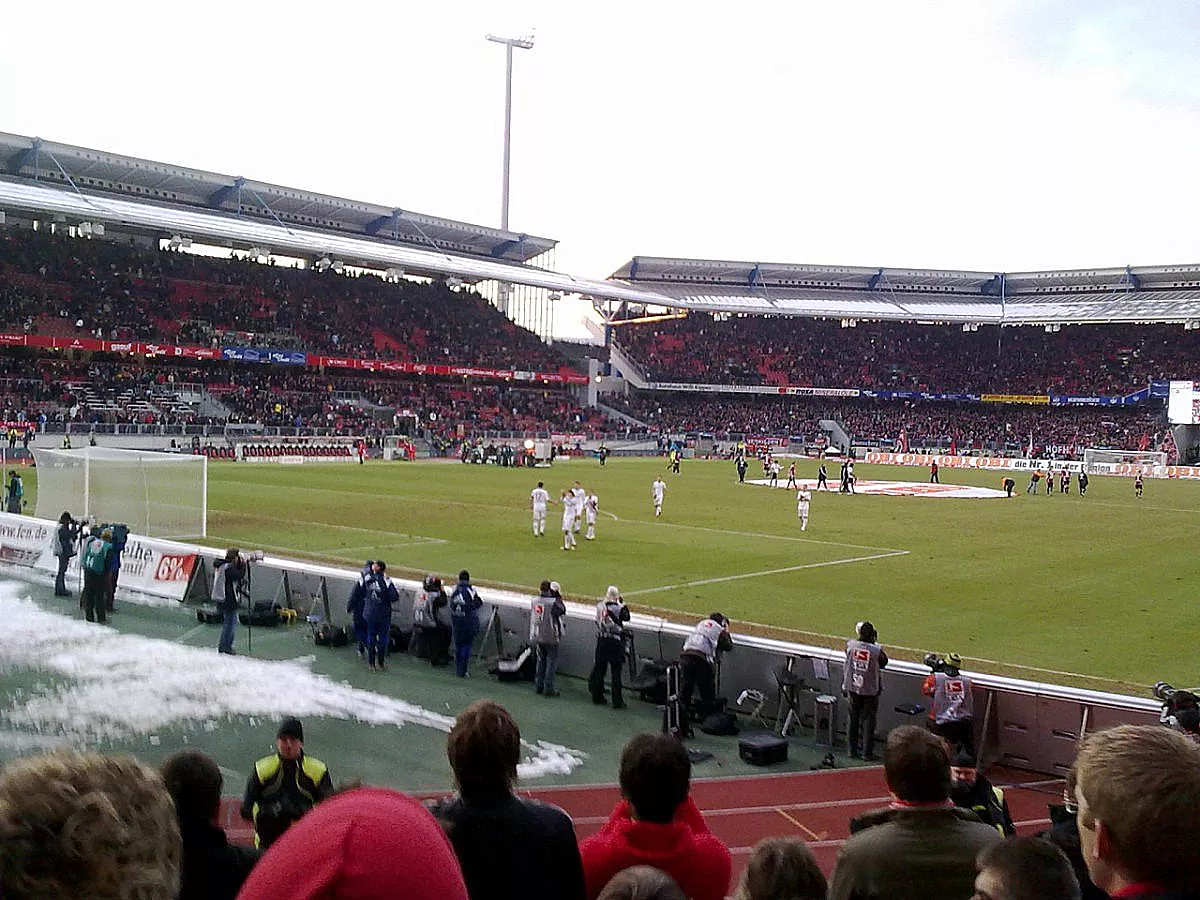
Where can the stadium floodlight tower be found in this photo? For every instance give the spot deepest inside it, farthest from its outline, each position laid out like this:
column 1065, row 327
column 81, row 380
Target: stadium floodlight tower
column 524, row 43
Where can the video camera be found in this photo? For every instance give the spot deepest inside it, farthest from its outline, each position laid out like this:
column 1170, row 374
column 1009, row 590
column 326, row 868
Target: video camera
column 1174, row 701
column 935, row 662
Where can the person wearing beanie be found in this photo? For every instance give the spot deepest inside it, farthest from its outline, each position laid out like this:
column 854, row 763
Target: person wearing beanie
column 951, row 710
column 862, row 685
column 547, row 622
column 508, row 846
column 464, row 621
column 970, row 789
column 370, row 843
column 284, row 786
column 698, row 664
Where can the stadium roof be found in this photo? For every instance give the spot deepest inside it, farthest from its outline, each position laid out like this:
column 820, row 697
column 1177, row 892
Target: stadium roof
column 1145, row 294
column 159, row 219
column 101, row 171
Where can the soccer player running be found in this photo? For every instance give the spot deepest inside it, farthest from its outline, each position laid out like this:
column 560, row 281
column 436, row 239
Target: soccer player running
column 538, row 498
column 656, row 490
column 803, row 498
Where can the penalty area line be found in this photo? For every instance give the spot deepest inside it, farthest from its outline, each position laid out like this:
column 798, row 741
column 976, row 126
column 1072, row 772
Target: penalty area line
column 764, row 573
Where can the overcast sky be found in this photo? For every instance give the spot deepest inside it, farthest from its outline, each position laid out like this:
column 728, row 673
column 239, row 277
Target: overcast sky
column 999, row 136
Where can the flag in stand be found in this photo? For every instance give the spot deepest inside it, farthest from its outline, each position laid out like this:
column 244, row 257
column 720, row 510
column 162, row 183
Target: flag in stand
column 1170, row 447
column 1144, row 443
column 1029, row 451
column 902, row 442
column 954, row 446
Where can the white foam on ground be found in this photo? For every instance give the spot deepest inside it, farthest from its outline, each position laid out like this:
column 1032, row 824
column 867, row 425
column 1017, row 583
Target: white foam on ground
column 899, row 489
column 115, row 686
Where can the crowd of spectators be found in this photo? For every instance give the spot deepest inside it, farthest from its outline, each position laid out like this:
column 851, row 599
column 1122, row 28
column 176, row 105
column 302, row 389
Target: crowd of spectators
column 111, row 828
column 787, row 350
column 62, row 286
column 86, row 392
column 969, row 427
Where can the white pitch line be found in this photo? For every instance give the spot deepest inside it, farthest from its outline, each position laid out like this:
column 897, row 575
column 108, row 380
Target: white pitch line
column 413, row 543
column 658, row 523
column 765, row 572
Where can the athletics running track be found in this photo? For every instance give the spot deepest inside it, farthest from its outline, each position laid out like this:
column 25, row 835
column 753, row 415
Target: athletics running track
column 815, row 806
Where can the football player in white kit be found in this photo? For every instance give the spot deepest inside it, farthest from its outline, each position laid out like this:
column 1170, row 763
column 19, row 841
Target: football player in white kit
column 580, row 496
column 657, row 490
column 538, row 498
column 591, row 504
column 803, row 498
column 568, row 520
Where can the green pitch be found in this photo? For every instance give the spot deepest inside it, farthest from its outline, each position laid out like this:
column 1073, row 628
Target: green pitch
column 1094, row 590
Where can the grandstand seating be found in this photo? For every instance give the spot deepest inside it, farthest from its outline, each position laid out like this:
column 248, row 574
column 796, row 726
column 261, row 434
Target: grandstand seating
column 78, row 288
column 757, row 350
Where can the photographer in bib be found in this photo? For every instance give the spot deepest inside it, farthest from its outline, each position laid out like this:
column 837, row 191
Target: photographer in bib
column 862, row 685
column 97, row 557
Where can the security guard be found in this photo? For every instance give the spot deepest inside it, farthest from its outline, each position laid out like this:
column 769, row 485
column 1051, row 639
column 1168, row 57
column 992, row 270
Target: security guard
column 971, row 790
column 284, row 786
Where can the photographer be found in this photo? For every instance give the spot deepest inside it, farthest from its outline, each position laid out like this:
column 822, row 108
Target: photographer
column 65, row 538
column 862, row 684
column 97, row 557
column 611, row 616
column 16, row 494
column 1179, row 708
column 951, row 714
column 698, row 663
column 228, row 580
column 431, row 633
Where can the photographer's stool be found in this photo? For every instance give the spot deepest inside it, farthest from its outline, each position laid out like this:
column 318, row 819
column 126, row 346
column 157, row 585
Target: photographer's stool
column 826, row 703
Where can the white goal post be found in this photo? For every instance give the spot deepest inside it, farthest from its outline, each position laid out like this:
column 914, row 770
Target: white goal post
column 1107, row 462
column 156, row 494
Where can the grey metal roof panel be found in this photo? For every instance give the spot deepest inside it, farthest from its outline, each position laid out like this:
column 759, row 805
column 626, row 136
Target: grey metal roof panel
column 215, row 226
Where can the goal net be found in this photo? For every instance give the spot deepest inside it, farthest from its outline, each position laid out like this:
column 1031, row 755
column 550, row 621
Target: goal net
column 155, row 494
column 1111, row 462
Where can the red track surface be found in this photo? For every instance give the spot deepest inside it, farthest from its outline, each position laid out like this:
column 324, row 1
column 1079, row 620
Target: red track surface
column 816, row 806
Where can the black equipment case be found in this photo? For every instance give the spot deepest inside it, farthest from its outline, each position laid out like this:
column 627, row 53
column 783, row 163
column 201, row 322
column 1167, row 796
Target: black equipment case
column 762, row 748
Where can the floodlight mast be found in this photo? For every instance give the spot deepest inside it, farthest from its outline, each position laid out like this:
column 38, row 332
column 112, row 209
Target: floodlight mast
column 524, row 43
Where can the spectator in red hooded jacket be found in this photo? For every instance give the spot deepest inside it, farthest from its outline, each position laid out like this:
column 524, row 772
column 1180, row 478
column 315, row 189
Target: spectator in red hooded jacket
column 657, row 824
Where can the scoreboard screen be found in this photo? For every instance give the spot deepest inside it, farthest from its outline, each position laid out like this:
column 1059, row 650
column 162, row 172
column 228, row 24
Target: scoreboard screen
column 1183, row 403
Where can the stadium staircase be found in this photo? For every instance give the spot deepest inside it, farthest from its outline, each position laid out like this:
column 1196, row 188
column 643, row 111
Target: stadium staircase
column 618, row 416
column 836, row 433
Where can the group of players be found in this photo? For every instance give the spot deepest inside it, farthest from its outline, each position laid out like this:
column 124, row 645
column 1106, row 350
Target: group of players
column 580, row 507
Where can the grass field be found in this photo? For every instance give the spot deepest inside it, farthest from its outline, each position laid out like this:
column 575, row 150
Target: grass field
column 1094, row 590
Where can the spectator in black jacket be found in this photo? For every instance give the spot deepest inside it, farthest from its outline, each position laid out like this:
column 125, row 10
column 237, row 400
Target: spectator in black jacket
column 507, row 846
column 213, row 869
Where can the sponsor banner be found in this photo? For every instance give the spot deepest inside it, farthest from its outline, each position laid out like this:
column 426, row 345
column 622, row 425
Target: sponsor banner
column 8, row 339
column 743, row 389
column 264, row 355
column 974, row 462
column 819, row 392
column 922, row 395
column 1037, row 399
column 334, row 362
column 148, row 565
column 760, row 442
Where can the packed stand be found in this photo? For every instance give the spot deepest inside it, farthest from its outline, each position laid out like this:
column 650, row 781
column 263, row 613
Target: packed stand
column 72, row 287
column 966, row 427
column 785, row 350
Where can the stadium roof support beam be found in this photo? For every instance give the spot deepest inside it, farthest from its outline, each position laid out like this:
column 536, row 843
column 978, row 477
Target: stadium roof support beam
column 504, row 246
column 217, row 199
column 873, row 283
column 1131, row 281
column 27, row 157
column 377, row 225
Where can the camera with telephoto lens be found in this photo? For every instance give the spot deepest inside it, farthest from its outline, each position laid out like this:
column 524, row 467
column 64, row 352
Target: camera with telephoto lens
column 253, row 556
column 1174, row 701
column 935, row 662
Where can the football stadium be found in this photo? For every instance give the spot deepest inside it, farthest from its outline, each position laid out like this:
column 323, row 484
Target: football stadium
column 284, row 468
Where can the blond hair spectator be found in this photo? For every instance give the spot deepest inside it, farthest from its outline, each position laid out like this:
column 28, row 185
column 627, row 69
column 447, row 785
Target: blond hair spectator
column 76, row 826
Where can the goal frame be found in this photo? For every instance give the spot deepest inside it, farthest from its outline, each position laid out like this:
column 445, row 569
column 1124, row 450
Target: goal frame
column 1101, row 461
